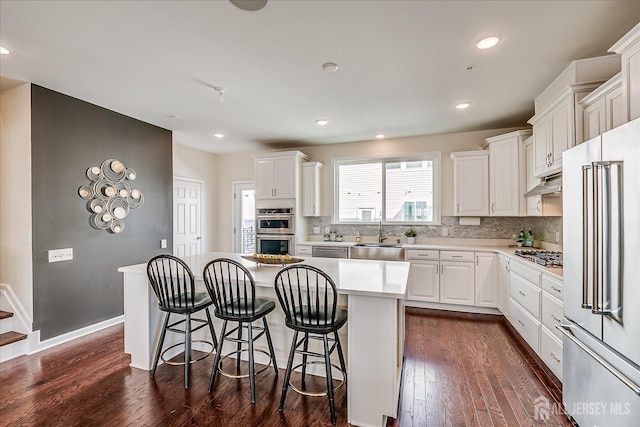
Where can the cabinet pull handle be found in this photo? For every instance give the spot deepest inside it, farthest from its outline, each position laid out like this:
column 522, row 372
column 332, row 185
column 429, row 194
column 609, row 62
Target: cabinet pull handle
column 555, row 357
column 538, row 206
column 522, row 293
column 493, row 207
column 555, row 318
column 508, row 266
column 437, row 268
column 477, row 260
column 556, row 289
column 456, row 256
column 458, row 208
column 521, row 322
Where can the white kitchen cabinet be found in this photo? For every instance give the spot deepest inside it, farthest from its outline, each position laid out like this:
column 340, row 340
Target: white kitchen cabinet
column 603, row 109
column 424, row 281
column 304, row 250
column 551, row 351
column 471, row 183
column 311, row 188
column 507, row 173
column 502, row 291
column 277, row 175
column 534, row 203
column 457, row 278
column 628, row 47
column 486, row 279
column 557, row 123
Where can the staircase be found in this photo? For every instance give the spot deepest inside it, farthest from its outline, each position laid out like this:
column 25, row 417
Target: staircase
column 14, row 340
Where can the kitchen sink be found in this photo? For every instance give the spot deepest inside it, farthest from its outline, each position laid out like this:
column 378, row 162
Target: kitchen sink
column 377, row 251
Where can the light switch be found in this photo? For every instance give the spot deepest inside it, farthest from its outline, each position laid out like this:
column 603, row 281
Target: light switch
column 163, row 244
column 57, row 255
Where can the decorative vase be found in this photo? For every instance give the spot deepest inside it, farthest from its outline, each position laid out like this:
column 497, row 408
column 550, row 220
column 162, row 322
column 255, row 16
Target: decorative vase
column 411, row 240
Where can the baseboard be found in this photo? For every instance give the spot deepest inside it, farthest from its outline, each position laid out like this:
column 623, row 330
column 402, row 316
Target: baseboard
column 452, row 307
column 36, row 345
column 8, row 297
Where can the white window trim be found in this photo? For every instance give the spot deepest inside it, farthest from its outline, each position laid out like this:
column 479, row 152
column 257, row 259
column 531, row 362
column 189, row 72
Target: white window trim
column 437, row 200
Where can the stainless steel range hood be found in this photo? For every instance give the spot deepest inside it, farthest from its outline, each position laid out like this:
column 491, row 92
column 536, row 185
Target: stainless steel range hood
column 550, row 185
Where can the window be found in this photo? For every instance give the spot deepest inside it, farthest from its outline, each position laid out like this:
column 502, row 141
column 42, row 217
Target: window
column 394, row 190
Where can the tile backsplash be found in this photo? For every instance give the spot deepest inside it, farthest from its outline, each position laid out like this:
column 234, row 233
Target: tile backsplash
column 543, row 228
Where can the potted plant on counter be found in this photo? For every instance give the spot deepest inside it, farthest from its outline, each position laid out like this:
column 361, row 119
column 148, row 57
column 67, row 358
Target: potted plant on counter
column 411, row 236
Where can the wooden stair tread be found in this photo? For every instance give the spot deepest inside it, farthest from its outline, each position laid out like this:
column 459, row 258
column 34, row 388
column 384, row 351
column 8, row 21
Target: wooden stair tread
column 5, row 314
column 11, row 337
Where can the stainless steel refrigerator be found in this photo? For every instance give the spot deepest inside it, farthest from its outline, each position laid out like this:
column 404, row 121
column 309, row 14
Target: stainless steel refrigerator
column 601, row 246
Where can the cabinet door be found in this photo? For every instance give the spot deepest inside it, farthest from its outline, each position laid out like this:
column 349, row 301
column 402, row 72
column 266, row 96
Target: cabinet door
column 486, row 278
column 285, row 178
column 631, row 77
column 541, row 135
column 264, row 170
column 457, row 283
column 424, row 281
column 504, row 177
column 472, row 186
column 594, row 119
column 561, row 135
column 502, row 291
column 310, row 190
column 615, row 109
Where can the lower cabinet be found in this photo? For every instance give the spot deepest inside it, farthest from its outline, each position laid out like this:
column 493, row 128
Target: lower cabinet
column 486, row 278
column 551, row 351
column 526, row 325
column 502, row 284
column 424, row 281
column 457, row 282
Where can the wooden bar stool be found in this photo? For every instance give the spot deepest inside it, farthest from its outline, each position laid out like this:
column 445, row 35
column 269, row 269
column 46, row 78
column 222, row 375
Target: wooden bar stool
column 232, row 289
column 308, row 298
column 173, row 284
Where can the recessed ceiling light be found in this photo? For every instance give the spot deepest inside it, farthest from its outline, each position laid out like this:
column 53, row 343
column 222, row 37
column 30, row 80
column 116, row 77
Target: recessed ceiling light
column 4, row 51
column 488, row 42
column 322, row 122
column 218, row 135
column 249, row 5
column 463, row 105
column 330, row 67
column 380, row 135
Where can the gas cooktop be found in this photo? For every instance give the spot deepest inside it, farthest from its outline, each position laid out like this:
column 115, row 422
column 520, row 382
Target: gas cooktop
column 544, row 258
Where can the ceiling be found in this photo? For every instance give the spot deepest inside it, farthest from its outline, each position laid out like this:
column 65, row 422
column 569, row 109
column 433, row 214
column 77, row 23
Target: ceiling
column 402, row 64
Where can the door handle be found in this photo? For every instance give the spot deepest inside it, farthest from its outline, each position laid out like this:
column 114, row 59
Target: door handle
column 585, row 237
column 493, row 207
column 597, row 238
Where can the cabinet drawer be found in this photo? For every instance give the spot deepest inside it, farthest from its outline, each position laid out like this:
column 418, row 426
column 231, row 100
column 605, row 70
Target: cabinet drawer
column 525, row 271
column 423, row 254
column 303, row 250
column 553, row 286
column 527, row 295
column 525, row 324
column 551, row 314
column 456, row 256
column 551, row 352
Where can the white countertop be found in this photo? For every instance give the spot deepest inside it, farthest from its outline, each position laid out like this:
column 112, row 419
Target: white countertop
column 504, row 250
column 352, row 276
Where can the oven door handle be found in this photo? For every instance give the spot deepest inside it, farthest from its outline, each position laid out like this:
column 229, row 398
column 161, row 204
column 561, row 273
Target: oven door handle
column 275, row 217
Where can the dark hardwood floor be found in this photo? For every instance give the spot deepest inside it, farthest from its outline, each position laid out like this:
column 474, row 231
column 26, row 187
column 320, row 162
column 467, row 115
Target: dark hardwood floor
column 459, row 371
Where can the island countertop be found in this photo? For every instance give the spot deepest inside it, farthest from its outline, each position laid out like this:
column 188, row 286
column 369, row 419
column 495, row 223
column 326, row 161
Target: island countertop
column 387, row 279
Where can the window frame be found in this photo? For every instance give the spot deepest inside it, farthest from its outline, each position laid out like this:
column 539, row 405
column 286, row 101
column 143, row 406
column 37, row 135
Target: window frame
column 434, row 156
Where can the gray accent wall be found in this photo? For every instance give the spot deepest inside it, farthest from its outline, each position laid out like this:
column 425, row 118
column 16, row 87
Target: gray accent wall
column 68, row 136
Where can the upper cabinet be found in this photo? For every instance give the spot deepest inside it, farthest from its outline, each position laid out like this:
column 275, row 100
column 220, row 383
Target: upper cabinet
column 471, row 183
column 277, row 175
column 603, row 109
column 311, row 188
column 507, row 173
column 557, row 124
column 628, row 47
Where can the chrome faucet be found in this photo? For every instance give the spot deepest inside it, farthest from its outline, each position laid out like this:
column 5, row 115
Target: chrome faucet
column 380, row 238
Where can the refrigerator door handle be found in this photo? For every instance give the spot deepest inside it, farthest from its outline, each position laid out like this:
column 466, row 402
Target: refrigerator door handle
column 566, row 331
column 585, row 237
column 597, row 238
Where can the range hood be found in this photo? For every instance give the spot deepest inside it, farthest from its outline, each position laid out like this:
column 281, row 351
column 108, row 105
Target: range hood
column 550, row 185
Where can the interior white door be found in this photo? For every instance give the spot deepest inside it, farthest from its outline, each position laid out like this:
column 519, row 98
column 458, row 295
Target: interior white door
column 187, row 217
column 244, row 210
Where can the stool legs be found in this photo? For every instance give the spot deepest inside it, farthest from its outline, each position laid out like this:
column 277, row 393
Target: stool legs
column 287, row 375
column 305, row 348
column 270, row 343
column 216, row 361
column 327, row 362
column 239, row 347
column 160, row 344
column 213, row 332
column 341, row 356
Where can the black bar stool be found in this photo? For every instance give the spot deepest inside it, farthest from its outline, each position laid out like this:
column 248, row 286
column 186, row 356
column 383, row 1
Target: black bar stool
column 232, row 289
column 172, row 281
column 308, row 298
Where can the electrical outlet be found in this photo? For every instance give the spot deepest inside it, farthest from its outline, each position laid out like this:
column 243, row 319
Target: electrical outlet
column 445, row 231
column 57, row 255
column 557, row 236
column 316, row 230
column 327, row 230
column 163, row 244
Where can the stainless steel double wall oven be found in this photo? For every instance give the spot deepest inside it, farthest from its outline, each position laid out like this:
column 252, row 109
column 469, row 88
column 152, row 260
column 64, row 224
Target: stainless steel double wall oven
column 275, row 229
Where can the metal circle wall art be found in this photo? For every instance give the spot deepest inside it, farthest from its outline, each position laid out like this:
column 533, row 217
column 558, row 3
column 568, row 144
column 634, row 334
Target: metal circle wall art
column 110, row 196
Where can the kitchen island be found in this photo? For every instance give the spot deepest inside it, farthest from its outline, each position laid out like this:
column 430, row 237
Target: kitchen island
column 373, row 339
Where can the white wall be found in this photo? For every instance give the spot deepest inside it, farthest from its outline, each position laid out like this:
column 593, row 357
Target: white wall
column 196, row 164
column 239, row 166
column 16, row 264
